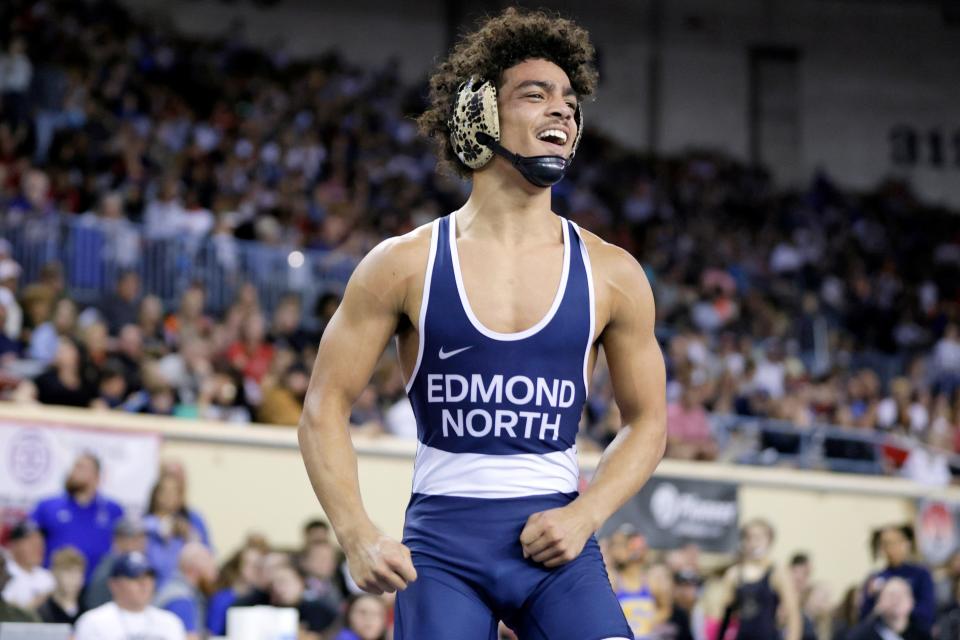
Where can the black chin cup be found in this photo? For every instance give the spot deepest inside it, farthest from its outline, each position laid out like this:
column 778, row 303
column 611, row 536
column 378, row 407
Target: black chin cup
column 542, row 171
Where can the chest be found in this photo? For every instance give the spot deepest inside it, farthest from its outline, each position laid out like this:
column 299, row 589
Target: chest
column 510, row 289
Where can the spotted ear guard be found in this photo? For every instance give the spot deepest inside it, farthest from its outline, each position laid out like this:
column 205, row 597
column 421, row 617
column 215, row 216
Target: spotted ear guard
column 475, row 111
column 474, row 129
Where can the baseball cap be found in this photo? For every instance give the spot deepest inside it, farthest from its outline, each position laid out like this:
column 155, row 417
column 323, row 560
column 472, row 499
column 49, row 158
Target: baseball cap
column 132, row 565
column 129, row 526
column 23, row 529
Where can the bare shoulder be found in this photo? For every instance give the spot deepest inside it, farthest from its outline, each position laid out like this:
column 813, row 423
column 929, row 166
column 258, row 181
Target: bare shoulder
column 619, row 279
column 395, row 264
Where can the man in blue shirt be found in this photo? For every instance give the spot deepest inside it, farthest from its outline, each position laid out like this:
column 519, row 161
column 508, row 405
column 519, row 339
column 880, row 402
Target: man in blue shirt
column 81, row 517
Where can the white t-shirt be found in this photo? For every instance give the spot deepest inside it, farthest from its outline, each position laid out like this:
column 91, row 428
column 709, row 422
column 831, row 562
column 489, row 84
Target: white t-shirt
column 110, row 622
column 25, row 587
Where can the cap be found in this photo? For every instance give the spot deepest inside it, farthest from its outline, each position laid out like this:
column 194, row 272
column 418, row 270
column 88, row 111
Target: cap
column 23, row 529
column 132, row 565
column 129, row 526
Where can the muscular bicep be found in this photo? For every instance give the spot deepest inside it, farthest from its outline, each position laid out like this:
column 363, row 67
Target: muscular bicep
column 633, row 355
column 356, row 336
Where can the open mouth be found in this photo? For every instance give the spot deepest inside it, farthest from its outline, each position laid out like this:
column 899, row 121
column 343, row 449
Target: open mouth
column 555, row 137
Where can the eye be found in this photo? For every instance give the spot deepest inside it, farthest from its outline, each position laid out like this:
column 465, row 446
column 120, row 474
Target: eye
column 537, row 95
column 572, row 105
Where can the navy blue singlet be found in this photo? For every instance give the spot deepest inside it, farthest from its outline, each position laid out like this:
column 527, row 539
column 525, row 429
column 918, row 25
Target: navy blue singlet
column 497, row 418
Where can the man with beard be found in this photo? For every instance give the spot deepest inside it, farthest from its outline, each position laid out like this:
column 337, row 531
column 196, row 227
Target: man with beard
column 81, row 517
column 185, row 593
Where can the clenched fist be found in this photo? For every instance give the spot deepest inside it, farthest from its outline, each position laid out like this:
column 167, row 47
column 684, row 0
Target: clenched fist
column 378, row 563
column 555, row 537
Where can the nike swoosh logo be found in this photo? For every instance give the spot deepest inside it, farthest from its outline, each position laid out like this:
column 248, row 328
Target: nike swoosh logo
column 449, row 354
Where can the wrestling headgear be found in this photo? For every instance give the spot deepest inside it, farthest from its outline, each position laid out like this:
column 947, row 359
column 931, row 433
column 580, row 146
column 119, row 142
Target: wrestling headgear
column 475, row 135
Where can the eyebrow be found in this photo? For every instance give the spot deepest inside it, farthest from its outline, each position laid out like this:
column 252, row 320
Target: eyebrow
column 546, row 86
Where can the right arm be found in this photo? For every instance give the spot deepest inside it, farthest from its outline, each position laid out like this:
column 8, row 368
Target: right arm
column 349, row 350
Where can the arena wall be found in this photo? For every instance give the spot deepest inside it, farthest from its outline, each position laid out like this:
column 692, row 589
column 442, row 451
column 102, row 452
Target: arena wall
column 247, row 479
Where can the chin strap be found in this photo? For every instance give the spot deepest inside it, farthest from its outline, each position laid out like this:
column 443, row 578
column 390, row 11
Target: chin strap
column 542, row 171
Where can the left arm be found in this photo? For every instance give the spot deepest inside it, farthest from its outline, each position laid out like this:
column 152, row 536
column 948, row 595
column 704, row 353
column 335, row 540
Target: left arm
column 558, row 536
column 789, row 603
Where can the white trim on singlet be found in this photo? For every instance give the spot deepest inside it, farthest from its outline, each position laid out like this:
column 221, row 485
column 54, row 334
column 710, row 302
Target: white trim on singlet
column 593, row 313
column 465, row 302
column 421, row 324
column 478, row 475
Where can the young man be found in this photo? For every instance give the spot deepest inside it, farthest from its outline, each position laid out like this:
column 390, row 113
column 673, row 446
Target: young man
column 499, row 310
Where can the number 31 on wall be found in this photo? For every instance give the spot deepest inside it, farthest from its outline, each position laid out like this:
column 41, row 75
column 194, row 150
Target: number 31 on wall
column 915, row 147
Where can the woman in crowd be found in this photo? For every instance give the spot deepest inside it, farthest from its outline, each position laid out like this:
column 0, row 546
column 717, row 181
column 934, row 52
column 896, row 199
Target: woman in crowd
column 756, row 589
column 170, row 525
column 366, row 619
column 238, row 578
column 897, row 546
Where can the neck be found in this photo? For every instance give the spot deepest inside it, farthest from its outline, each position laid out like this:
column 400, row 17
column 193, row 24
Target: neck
column 502, row 210
column 85, row 496
column 65, row 600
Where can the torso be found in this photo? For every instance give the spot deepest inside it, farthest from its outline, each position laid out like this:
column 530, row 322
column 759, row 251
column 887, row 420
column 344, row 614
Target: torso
column 509, row 289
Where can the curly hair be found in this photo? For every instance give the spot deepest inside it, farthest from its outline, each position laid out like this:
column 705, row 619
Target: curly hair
column 499, row 43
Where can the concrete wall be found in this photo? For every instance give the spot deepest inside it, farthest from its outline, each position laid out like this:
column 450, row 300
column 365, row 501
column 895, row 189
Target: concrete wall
column 864, row 68
column 252, row 478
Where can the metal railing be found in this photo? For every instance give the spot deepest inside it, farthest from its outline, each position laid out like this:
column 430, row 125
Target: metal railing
column 94, row 252
column 769, row 442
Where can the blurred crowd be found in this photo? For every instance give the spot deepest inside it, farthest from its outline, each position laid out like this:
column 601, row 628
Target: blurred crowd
column 78, row 558
column 811, row 307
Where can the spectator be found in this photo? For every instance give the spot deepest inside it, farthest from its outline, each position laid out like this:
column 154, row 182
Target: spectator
column 129, row 536
column 112, row 388
column 62, row 383
column 184, row 594
column 170, row 525
column 946, row 582
column 63, row 605
column 627, row 550
column 319, row 565
column 9, row 276
column 287, row 331
column 46, row 338
column 283, row 403
column 151, row 325
column 897, row 544
column 129, row 614
column 287, row 589
column 671, row 622
column 268, row 567
column 800, row 572
column 688, row 428
column 366, row 618
column 16, row 72
column 10, row 612
column 81, row 517
column 251, row 355
column 314, row 531
column 928, row 461
column 129, row 353
column 30, row 583
column 756, row 588
column 891, row 615
column 122, row 306
column 237, row 579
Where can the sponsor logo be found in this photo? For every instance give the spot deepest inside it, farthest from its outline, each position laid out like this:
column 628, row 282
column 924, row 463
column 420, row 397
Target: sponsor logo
column 30, row 457
column 671, row 507
column 449, row 354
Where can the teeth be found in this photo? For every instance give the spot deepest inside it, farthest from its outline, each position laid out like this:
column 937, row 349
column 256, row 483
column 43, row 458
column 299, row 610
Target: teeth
column 553, row 133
